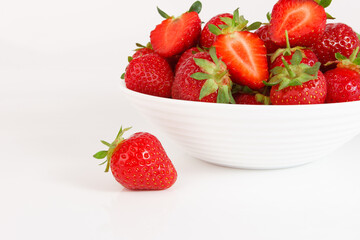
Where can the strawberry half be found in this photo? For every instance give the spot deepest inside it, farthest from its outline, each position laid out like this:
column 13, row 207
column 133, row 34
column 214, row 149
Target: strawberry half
column 243, row 52
column 174, row 35
column 304, row 20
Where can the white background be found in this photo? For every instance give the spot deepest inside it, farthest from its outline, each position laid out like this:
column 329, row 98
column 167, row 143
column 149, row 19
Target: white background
column 60, row 63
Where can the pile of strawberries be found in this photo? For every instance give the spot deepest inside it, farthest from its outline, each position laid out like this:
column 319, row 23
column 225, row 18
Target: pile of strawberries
column 296, row 58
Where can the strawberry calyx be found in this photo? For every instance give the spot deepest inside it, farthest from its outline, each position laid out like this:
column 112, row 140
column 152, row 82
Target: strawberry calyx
column 353, row 62
column 195, row 7
column 286, row 51
column 108, row 153
column 235, row 24
column 217, row 78
column 294, row 74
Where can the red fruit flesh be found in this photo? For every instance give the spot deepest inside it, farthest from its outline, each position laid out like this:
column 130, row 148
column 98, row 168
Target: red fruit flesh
column 245, row 55
column 207, row 38
column 343, row 85
column 263, row 33
column 311, row 92
column 174, row 35
column 337, row 38
column 309, row 58
column 187, row 88
column 140, row 163
column 303, row 19
column 149, row 74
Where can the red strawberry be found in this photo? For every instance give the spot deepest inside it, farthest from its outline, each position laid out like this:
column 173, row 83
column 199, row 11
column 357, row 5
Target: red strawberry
column 187, row 55
column 142, row 50
column 150, row 74
column 245, row 95
column 203, row 78
column 263, row 33
column 174, row 35
column 303, row 19
column 207, row 38
column 243, row 52
column 139, row 162
column 308, row 56
column 337, row 38
column 343, row 82
column 297, row 83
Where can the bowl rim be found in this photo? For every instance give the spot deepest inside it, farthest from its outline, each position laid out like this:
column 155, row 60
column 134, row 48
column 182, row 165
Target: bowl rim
column 152, row 98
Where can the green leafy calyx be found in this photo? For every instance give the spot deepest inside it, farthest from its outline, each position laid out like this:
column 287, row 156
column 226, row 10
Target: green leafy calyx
column 217, row 78
column 285, row 51
column 294, row 74
column 108, row 153
column 235, row 24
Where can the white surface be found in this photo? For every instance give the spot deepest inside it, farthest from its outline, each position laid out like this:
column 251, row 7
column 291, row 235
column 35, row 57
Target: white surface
column 248, row 136
column 60, row 64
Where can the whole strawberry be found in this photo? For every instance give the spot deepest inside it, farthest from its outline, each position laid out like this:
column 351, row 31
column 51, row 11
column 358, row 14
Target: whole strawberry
column 142, row 50
column 303, row 19
column 343, row 82
column 150, row 74
column 203, row 78
column 242, row 51
column 245, row 95
column 297, row 83
column 187, row 55
column 308, row 56
column 175, row 35
column 208, row 38
column 139, row 162
column 264, row 34
column 337, row 38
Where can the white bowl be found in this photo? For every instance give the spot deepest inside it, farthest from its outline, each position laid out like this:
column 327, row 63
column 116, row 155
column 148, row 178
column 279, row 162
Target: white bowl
column 252, row 136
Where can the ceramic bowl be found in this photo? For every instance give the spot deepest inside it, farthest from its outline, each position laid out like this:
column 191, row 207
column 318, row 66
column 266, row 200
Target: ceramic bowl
column 252, row 136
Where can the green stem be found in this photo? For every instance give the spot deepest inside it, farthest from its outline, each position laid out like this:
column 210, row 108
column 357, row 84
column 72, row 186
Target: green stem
column 287, row 67
column 354, row 55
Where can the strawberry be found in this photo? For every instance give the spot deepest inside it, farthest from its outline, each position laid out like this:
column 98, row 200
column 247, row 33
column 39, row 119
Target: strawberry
column 139, row 162
column 174, row 35
column 243, row 52
column 297, row 83
column 308, row 56
column 304, row 20
column 203, row 78
column 337, row 38
column 150, row 74
column 245, row 95
column 187, row 55
column 142, row 50
column 243, row 98
column 343, row 82
column 207, row 38
column 263, row 33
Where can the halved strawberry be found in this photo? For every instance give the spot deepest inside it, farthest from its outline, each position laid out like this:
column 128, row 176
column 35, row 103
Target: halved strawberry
column 303, row 19
column 243, row 52
column 245, row 55
column 174, row 35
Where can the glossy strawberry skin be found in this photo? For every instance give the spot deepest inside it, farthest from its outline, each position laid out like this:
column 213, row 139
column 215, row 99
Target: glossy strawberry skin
column 207, row 38
column 246, row 59
column 185, row 56
column 309, row 59
column 174, row 35
column 311, row 92
column 246, row 99
column 185, row 87
column 343, row 85
column 337, row 38
column 150, row 74
column 289, row 15
column 263, row 33
column 142, row 51
column 141, row 163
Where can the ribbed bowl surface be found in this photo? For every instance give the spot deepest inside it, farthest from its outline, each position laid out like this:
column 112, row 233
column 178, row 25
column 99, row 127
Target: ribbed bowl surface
column 252, row 136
